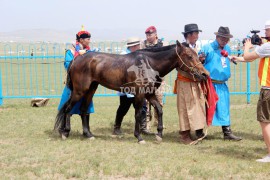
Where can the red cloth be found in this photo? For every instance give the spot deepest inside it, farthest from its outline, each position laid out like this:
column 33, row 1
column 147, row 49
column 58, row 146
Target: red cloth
column 212, row 99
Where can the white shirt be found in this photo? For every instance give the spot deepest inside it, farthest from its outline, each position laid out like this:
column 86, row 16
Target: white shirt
column 263, row 50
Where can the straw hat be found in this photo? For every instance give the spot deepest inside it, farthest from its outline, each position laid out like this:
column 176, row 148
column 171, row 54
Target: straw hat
column 133, row 41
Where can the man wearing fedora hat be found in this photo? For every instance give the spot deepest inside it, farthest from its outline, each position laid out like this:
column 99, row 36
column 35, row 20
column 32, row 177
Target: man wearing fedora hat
column 261, row 52
column 190, row 98
column 133, row 44
column 220, row 72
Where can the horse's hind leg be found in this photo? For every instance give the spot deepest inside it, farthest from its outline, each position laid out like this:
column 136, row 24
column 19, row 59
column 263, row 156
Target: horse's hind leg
column 84, row 115
column 65, row 125
column 158, row 108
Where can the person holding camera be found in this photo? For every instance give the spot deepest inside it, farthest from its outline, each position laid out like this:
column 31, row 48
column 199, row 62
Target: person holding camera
column 263, row 106
column 220, row 72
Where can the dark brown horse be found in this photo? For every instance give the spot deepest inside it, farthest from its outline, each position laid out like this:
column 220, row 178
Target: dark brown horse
column 137, row 73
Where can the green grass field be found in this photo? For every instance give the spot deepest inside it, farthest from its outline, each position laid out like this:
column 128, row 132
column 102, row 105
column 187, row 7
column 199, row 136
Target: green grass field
column 29, row 149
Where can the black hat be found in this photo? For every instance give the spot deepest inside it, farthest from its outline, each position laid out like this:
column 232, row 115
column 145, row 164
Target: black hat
column 223, row 32
column 191, row 28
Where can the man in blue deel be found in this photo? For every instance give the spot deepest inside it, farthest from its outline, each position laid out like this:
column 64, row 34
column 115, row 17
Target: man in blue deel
column 82, row 46
column 219, row 69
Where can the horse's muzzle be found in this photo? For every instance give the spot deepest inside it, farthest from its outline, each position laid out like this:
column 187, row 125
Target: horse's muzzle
column 200, row 76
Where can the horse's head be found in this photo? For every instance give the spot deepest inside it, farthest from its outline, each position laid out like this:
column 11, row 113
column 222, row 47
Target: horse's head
column 189, row 62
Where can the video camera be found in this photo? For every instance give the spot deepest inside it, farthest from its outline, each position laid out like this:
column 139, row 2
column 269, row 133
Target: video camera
column 255, row 39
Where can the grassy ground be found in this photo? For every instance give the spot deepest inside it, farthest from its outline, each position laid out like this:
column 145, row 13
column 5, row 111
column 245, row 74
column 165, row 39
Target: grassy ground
column 30, row 150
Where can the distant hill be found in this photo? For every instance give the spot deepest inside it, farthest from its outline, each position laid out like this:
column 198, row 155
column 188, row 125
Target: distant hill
column 62, row 36
column 35, row 35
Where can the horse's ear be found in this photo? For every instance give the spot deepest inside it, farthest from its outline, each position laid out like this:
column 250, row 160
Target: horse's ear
column 179, row 45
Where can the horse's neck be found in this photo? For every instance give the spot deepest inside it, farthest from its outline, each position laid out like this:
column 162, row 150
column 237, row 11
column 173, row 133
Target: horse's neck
column 165, row 65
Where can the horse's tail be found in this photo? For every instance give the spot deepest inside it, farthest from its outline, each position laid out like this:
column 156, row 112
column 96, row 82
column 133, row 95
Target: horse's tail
column 60, row 117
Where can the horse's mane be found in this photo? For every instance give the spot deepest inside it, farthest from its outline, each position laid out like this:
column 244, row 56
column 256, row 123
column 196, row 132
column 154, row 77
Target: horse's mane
column 157, row 49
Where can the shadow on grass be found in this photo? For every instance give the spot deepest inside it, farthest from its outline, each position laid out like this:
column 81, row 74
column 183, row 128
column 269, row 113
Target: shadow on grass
column 105, row 134
column 54, row 135
column 236, row 151
column 102, row 133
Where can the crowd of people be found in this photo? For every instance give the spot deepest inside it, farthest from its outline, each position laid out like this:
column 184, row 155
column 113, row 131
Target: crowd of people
column 191, row 100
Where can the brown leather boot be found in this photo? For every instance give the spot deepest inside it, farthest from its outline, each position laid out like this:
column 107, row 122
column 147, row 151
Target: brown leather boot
column 185, row 138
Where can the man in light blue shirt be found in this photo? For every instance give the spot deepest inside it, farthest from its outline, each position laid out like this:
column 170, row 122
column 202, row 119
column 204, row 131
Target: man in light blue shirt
column 219, row 69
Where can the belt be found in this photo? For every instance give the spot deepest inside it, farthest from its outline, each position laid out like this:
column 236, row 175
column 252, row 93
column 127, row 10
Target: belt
column 186, row 75
column 217, row 82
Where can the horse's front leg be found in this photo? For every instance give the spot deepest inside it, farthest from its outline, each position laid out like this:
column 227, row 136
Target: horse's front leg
column 158, row 108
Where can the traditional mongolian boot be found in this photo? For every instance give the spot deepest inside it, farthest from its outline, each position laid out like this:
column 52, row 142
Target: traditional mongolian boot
column 143, row 127
column 185, row 138
column 148, row 120
column 228, row 135
column 200, row 134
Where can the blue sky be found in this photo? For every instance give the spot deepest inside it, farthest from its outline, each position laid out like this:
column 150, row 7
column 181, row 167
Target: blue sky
column 168, row 16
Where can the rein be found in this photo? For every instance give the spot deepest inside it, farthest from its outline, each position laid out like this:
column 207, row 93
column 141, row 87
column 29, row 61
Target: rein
column 183, row 63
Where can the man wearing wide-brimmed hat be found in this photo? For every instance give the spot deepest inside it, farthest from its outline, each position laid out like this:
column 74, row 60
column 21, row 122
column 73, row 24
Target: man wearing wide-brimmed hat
column 190, row 97
column 133, row 44
column 220, row 72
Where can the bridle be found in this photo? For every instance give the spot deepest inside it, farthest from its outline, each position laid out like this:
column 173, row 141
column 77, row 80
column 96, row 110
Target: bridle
column 191, row 68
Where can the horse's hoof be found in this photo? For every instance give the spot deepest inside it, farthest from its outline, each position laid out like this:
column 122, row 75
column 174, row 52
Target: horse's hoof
column 63, row 137
column 158, row 138
column 142, row 142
